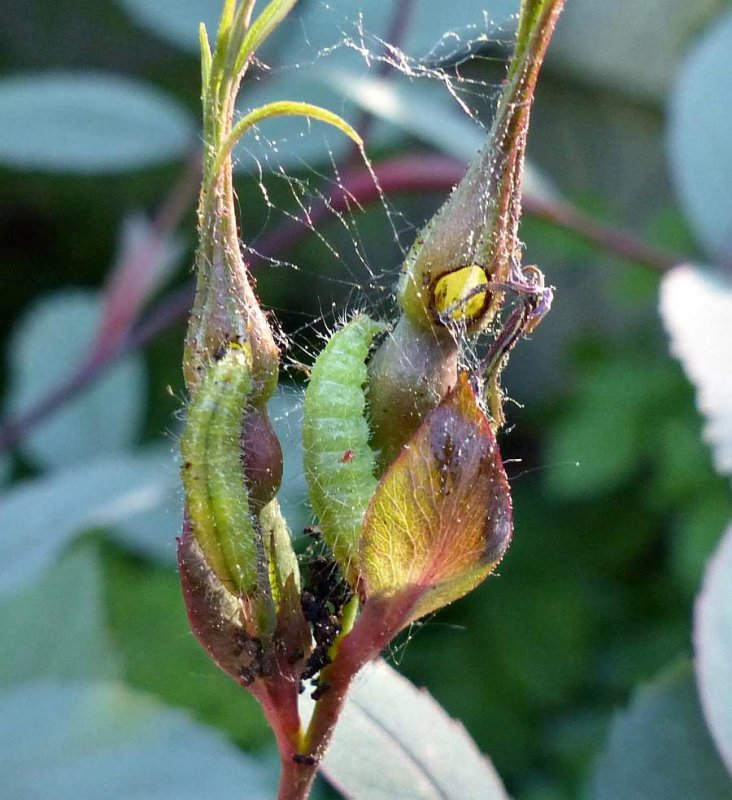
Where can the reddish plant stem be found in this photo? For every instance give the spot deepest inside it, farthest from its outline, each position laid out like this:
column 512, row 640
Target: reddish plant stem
column 407, row 175
column 137, row 275
column 379, row 621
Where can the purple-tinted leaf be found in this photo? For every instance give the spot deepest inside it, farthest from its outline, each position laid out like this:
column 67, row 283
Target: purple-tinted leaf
column 660, row 748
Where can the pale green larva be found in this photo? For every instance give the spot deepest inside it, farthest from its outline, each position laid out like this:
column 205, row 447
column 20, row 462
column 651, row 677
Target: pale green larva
column 339, row 463
column 216, row 496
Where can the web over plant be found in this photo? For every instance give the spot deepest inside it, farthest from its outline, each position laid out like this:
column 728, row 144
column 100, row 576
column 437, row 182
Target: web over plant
column 301, row 178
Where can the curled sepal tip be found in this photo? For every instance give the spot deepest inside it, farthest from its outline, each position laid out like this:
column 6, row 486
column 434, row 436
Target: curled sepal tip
column 441, row 517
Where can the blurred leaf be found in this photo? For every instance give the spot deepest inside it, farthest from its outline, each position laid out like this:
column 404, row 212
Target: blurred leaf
column 345, row 32
column 285, row 411
column 152, row 532
column 600, row 440
column 713, row 640
column 435, row 31
column 88, row 123
column 700, row 150
column 40, row 516
column 683, row 466
column 5, row 468
column 159, row 654
column 104, row 740
column 696, row 307
column 57, row 626
column 425, row 110
column 175, row 20
column 145, row 259
column 609, row 43
column 48, row 344
column 660, row 747
column 697, row 528
column 393, row 740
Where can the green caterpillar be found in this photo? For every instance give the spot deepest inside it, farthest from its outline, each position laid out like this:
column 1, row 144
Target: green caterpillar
column 216, row 495
column 339, row 463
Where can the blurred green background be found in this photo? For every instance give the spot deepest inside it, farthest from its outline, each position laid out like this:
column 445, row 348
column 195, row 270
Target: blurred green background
column 616, row 500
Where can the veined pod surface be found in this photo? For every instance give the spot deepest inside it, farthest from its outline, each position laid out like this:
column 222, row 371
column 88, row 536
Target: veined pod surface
column 217, row 501
column 339, row 463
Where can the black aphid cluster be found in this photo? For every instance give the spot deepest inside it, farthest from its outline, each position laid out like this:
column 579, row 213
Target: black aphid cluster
column 322, row 600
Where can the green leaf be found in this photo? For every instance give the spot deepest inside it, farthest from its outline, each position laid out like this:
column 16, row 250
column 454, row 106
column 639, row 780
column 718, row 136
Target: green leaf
column 700, row 151
column 88, row 122
column 660, row 747
column 73, row 741
column 48, row 344
column 292, row 142
column 696, row 532
column 40, row 516
column 281, row 108
column 713, row 640
column 696, row 307
column 57, row 626
column 262, row 27
column 441, row 517
column 394, row 741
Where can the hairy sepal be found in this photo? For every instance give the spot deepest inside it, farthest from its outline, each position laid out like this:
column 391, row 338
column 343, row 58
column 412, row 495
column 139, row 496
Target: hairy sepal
column 226, row 624
column 441, row 517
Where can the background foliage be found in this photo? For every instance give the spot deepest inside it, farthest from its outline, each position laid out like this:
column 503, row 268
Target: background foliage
column 619, row 499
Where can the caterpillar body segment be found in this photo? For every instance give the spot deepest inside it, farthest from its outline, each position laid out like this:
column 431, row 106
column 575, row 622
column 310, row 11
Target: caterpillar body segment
column 216, row 495
column 339, row 463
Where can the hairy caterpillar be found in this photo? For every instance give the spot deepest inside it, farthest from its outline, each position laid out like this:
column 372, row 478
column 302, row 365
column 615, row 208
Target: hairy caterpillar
column 213, row 478
column 339, row 463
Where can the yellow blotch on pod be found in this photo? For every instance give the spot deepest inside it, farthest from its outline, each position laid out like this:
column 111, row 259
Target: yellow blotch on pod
column 458, row 296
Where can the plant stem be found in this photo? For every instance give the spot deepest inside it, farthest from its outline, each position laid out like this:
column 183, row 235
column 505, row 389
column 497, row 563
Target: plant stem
column 376, row 626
